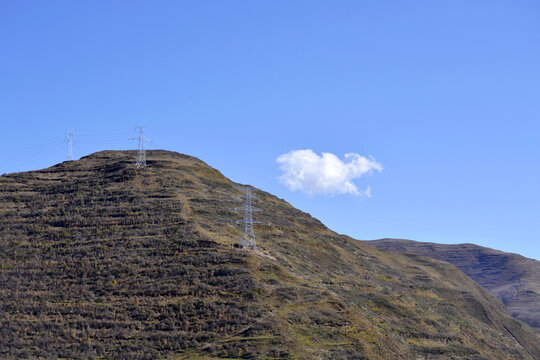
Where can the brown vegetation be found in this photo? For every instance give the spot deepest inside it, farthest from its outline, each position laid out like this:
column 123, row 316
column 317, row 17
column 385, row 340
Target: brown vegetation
column 99, row 259
column 514, row 279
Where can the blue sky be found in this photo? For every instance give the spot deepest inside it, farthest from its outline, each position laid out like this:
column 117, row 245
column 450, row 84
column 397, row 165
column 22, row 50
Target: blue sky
column 445, row 95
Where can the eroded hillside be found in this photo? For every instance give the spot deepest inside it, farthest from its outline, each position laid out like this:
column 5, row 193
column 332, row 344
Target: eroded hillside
column 514, row 279
column 99, row 258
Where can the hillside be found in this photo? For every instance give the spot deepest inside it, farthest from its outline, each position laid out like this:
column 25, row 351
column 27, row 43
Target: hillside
column 100, row 259
column 512, row 278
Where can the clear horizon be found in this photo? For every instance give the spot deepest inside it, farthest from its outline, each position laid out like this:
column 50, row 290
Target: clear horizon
column 444, row 97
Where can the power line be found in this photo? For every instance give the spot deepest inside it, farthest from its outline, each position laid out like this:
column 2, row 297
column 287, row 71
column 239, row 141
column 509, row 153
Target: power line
column 9, row 163
column 103, row 135
column 141, row 154
column 248, row 236
column 70, row 135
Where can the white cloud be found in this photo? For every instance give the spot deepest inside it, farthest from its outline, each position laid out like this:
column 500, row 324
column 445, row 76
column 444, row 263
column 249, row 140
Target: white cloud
column 326, row 174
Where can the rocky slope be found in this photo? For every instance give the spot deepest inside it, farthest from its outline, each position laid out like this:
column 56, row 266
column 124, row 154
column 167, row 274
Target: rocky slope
column 99, row 259
column 512, row 278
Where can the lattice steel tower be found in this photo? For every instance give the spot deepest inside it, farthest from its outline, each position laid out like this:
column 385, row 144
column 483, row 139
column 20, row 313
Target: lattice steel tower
column 70, row 135
column 248, row 237
column 141, row 154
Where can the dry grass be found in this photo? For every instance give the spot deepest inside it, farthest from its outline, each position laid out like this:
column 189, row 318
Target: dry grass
column 100, row 259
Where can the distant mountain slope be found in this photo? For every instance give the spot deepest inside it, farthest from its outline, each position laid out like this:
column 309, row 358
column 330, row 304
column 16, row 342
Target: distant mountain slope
column 512, row 278
column 99, row 259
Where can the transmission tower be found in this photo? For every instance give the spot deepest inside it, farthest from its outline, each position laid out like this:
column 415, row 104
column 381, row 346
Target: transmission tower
column 248, row 237
column 141, row 154
column 70, row 135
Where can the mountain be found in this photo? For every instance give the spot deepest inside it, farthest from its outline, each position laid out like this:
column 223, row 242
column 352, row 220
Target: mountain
column 512, row 278
column 100, row 259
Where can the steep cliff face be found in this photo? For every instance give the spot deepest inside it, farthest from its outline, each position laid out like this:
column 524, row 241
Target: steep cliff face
column 514, row 279
column 99, row 258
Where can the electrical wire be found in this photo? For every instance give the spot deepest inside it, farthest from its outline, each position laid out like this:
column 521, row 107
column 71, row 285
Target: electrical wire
column 103, row 139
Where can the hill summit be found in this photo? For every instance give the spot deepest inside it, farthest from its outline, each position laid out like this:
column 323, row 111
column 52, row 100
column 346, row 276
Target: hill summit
column 101, row 259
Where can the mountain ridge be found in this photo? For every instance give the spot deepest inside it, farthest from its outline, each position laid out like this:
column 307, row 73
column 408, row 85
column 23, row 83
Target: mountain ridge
column 100, row 259
column 513, row 278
